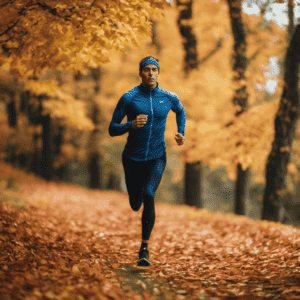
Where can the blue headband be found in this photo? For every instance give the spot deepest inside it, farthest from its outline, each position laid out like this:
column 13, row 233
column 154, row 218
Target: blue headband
column 149, row 61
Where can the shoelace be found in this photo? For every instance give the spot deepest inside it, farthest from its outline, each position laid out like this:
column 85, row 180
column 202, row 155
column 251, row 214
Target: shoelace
column 144, row 250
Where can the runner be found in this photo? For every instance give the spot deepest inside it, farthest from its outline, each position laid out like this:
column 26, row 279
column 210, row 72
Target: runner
column 144, row 157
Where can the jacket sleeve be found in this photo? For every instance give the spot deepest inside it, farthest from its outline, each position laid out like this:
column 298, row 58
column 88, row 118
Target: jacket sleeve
column 115, row 127
column 178, row 108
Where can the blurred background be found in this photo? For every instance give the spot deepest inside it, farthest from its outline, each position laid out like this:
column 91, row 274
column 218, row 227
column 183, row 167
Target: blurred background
column 70, row 143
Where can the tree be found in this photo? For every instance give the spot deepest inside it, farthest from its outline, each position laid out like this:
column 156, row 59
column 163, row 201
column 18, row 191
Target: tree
column 240, row 98
column 248, row 140
column 285, row 126
column 207, row 93
column 69, row 35
column 50, row 106
column 95, row 157
column 291, row 26
column 39, row 34
column 192, row 170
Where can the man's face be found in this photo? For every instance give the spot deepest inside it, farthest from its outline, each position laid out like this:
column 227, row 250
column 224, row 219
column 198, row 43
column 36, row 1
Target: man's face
column 149, row 76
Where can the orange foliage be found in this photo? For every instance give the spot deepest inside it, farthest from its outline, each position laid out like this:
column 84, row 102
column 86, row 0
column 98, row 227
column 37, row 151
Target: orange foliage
column 207, row 93
column 72, row 243
column 264, row 40
column 209, row 89
column 21, row 139
column 60, row 105
column 70, row 34
column 248, row 141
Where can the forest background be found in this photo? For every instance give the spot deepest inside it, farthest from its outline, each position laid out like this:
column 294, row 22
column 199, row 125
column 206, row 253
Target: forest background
column 55, row 123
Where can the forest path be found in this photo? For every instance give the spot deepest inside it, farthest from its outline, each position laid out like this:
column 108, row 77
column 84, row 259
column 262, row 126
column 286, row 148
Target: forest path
column 73, row 243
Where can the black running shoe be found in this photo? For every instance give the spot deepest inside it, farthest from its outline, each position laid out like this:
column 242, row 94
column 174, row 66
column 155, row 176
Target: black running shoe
column 144, row 258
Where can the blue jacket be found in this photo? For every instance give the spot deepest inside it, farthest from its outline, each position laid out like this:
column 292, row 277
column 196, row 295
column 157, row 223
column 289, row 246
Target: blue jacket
column 147, row 142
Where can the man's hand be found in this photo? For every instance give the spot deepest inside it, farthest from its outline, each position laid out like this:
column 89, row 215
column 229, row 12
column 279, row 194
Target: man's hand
column 179, row 139
column 140, row 121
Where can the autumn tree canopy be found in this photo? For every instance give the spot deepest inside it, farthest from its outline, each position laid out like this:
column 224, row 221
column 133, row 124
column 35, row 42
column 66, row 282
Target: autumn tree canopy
column 38, row 34
column 207, row 93
column 69, row 35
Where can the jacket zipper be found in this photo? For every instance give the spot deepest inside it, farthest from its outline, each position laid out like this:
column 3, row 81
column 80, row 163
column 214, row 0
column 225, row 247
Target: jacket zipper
column 150, row 127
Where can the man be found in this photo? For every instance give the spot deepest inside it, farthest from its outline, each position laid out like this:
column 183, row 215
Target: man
column 144, row 157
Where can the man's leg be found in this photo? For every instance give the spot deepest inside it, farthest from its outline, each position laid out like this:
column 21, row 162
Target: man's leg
column 152, row 182
column 134, row 177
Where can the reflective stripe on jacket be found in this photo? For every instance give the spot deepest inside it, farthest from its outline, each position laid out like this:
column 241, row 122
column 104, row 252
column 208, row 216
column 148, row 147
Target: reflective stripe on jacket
column 147, row 142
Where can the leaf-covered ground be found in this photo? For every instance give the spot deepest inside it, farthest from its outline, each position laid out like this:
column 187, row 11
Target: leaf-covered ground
column 66, row 242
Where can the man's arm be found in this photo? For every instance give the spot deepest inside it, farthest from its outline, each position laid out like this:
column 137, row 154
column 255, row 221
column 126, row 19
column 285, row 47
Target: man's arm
column 178, row 108
column 115, row 127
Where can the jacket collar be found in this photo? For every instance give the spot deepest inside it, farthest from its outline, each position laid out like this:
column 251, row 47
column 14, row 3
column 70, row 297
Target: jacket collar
column 147, row 90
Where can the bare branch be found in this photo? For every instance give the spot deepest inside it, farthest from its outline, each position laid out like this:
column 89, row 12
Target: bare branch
column 212, row 52
column 5, row 4
column 251, row 58
column 7, row 40
column 51, row 10
column 9, row 28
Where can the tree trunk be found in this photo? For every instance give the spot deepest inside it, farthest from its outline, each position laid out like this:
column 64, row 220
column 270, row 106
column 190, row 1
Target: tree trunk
column 283, row 215
column 47, row 153
column 95, row 158
column 24, row 106
column 291, row 18
column 95, row 163
column 34, row 115
column 57, row 143
column 114, row 182
column 29, row 162
column 22, row 159
column 189, row 38
column 35, row 165
column 96, row 172
column 12, row 122
column 285, row 125
column 240, row 98
column 25, row 97
column 193, row 179
column 241, row 193
column 96, row 75
column 239, row 57
column 12, row 113
column 192, row 170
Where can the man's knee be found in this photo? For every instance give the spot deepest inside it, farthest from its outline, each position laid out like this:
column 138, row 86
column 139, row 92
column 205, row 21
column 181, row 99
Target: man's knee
column 135, row 208
column 135, row 205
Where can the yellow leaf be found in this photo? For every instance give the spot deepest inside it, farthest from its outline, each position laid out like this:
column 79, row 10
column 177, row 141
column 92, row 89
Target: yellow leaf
column 292, row 168
column 75, row 269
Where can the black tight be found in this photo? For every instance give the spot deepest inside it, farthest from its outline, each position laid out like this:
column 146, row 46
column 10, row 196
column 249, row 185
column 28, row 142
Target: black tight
column 142, row 180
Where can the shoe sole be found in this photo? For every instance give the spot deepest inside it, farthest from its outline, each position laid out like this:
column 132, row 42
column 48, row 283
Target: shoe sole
column 143, row 262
